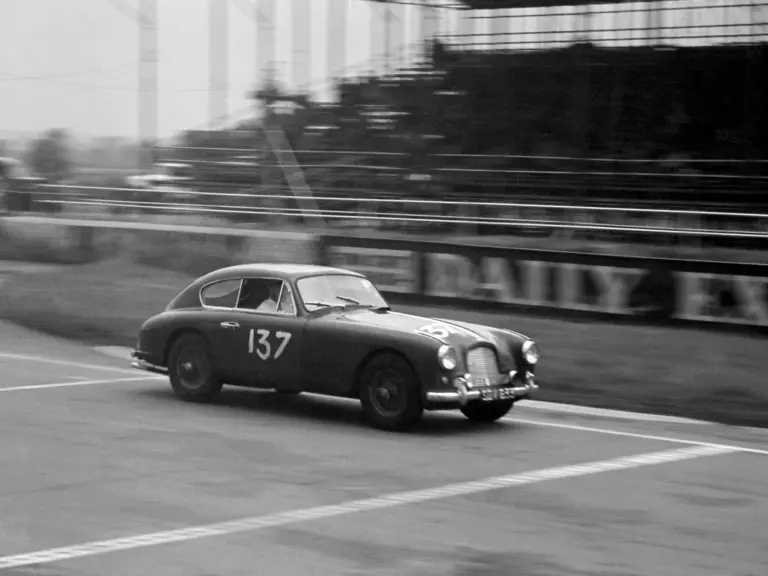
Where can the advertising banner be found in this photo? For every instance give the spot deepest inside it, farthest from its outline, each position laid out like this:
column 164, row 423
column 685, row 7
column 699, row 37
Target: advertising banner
column 639, row 288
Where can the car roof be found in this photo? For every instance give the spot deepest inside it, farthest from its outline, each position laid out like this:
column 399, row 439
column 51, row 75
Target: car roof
column 282, row 271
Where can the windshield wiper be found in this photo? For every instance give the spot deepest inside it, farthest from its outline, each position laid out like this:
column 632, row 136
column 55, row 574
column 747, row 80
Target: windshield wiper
column 321, row 304
column 357, row 303
column 348, row 299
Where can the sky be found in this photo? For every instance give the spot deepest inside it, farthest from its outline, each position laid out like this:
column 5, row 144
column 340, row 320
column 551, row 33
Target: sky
column 74, row 63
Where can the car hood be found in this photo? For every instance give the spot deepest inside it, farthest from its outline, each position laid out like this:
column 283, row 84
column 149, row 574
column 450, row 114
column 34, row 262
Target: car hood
column 460, row 335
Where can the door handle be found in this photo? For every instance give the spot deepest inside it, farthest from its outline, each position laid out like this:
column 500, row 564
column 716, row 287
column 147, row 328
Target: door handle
column 230, row 325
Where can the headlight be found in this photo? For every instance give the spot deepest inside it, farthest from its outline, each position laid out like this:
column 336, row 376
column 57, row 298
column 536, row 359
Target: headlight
column 447, row 358
column 530, row 352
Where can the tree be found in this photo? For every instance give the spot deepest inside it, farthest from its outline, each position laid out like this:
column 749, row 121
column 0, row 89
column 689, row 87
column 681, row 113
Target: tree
column 49, row 156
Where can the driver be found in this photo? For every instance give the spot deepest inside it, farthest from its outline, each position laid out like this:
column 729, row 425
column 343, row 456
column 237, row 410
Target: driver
column 271, row 293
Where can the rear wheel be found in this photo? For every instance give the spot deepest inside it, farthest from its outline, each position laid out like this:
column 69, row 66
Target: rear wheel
column 191, row 370
column 487, row 411
column 390, row 394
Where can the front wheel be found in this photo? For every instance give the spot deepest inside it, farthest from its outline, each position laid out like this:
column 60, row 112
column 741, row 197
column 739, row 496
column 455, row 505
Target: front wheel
column 390, row 394
column 487, row 412
column 191, row 370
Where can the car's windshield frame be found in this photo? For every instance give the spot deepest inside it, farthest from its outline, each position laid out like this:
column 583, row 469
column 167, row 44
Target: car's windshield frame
column 309, row 307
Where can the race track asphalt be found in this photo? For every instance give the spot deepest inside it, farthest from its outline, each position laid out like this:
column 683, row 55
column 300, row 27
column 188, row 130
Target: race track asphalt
column 84, row 465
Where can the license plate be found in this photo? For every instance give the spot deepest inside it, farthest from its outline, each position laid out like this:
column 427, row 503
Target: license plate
column 491, row 394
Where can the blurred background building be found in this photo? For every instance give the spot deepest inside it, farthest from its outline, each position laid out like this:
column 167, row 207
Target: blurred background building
column 533, row 98
column 660, row 104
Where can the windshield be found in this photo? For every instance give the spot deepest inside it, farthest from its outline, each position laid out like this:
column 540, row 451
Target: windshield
column 338, row 290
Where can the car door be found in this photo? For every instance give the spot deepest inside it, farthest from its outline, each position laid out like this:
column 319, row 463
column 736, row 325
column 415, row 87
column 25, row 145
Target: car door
column 270, row 353
column 219, row 323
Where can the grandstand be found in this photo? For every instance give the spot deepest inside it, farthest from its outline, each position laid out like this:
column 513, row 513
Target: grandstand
column 660, row 104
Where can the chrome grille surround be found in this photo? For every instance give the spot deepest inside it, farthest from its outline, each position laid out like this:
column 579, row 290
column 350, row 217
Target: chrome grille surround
column 482, row 362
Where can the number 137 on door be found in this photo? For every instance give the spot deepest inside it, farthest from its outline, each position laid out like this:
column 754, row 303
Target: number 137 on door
column 259, row 344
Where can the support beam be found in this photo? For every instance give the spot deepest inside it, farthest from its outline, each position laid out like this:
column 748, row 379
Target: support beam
column 301, row 16
column 149, row 56
column 218, row 61
column 266, row 19
column 337, row 38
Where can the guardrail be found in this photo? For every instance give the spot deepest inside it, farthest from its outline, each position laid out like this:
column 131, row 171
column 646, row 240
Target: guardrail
column 713, row 227
column 636, row 289
column 419, row 201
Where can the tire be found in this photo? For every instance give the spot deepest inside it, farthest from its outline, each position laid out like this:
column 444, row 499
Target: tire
column 487, row 412
column 390, row 394
column 191, row 370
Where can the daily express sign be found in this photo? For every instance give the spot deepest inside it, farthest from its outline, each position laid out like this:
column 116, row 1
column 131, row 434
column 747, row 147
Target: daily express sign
column 652, row 291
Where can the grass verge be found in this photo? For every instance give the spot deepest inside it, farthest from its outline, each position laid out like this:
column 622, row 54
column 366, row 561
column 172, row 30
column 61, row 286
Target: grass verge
column 682, row 372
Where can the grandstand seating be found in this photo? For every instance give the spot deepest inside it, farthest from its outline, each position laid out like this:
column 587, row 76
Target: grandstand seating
column 582, row 123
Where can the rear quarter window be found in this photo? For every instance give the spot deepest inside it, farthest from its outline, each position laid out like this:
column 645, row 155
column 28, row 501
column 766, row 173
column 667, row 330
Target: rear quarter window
column 222, row 294
column 187, row 298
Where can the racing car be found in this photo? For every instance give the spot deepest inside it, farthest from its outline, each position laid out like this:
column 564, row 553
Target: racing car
column 323, row 330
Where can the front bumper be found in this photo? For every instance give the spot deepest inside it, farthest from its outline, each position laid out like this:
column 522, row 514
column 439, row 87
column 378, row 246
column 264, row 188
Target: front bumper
column 139, row 363
column 465, row 392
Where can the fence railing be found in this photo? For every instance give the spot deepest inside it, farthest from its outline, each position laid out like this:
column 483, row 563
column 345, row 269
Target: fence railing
column 666, row 181
column 585, row 221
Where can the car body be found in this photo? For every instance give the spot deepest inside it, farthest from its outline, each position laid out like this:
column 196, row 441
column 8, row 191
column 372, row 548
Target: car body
column 303, row 328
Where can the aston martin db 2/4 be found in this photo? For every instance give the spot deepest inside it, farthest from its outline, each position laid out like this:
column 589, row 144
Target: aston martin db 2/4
column 329, row 331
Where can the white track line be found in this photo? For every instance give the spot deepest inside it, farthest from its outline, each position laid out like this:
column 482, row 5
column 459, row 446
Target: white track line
column 323, row 512
column 609, row 432
column 79, row 383
column 27, row 358
column 609, row 413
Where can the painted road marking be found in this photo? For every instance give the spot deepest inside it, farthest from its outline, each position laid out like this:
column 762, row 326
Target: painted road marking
column 120, row 352
column 608, row 413
column 27, row 358
column 366, row 505
column 79, row 383
column 576, row 427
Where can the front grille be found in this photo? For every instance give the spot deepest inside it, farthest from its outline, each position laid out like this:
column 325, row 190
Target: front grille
column 482, row 362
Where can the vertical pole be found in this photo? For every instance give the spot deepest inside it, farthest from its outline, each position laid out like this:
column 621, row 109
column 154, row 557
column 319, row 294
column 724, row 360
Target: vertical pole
column 387, row 17
column 375, row 34
column 301, row 18
column 430, row 25
column 218, row 61
column 497, row 27
column 466, row 29
column 337, row 37
column 422, row 32
column 265, row 53
column 148, row 73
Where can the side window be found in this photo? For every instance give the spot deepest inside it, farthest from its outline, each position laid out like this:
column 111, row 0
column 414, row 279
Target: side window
column 285, row 306
column 222, row 294
column 260, row 294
